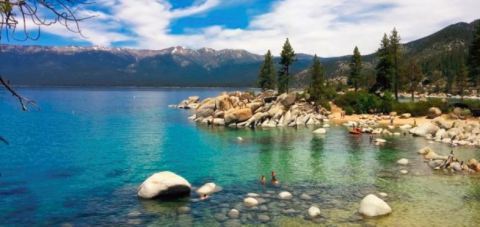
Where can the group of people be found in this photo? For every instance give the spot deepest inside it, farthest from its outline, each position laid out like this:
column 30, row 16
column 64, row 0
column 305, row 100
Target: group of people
column 263, row 181
column 274, row 179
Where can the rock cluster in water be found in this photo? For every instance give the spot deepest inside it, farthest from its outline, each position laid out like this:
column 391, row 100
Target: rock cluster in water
column 449, row 162
column 268, row 204
column 457, row 132
column 267, row 109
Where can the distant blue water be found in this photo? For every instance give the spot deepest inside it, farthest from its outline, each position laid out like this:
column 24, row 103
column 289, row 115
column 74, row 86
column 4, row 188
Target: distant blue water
column 79, row 158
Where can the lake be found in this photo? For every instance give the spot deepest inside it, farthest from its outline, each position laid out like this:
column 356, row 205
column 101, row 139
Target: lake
column 80, row 157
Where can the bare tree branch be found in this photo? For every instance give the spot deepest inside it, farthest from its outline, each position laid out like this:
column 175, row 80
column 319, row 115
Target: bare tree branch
column 25, row 13
column 28, row 13
column 24, row 102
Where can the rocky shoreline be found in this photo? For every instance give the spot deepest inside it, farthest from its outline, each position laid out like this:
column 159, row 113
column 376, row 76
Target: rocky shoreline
column 270, row 110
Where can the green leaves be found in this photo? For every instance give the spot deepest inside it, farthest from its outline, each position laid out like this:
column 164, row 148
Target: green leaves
column 6, row 7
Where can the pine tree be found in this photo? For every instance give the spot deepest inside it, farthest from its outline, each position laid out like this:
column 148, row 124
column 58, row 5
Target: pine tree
column 266, row 76
column 287, row 57
column 413, row 77
column 355, row 69
column 462, row 80
column 395, row 52
column 474, row 58
column 384, row 67
column 317, row 80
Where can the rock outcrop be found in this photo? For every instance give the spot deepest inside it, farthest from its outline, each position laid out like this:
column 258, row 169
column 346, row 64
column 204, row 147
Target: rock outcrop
column 242, row 109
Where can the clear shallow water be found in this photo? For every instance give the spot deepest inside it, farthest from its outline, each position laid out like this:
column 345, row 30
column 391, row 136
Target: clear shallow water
column 79, row 159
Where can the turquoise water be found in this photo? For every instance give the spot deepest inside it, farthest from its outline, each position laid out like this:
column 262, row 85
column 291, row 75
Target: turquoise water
column 79, row 158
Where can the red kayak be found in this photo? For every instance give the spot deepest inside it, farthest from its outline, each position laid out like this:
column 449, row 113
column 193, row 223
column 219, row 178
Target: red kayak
column 355, row 131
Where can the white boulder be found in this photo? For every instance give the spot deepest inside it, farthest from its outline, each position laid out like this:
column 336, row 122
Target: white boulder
column 402, row 161
column 233, row 213
column 313, row 212
column 372, row 206
column 207, row 189
column 164, row 184
column 285, row 195
column 250, row 202
column 424, row 129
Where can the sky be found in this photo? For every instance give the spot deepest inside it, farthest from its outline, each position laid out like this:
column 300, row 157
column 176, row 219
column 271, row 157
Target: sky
column 323, row 27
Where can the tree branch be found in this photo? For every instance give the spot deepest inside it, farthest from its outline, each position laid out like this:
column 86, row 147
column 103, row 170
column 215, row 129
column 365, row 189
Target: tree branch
column 24, row 102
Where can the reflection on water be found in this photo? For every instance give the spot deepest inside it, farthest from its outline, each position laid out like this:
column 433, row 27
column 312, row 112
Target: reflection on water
column 80, row 158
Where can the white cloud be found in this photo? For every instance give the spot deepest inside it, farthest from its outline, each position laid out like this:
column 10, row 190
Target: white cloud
column 325, row 27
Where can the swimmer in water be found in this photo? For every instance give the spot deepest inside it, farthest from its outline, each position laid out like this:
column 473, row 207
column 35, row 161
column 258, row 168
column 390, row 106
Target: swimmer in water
column 274, row 178
column 263, row 180
column 203, row 197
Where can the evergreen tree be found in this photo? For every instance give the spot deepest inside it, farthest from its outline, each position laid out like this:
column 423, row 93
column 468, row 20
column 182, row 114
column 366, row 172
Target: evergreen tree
column 384, row 67
column 474, row 58
column 462, row 80
column 287, row 57
column 413, row 77
column 317, row 80
column 395, row 53
column 355, row 69
column 266, row 76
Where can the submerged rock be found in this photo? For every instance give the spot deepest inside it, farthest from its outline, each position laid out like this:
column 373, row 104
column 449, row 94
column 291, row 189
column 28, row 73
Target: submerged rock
column 250, row 202
column 233, row 213
column 372, row 206
column 320, row 131
column 164, row 184
column 263, row 218
column 402, row 161
column 285, row 195
column 305, row 196
column 251, row 194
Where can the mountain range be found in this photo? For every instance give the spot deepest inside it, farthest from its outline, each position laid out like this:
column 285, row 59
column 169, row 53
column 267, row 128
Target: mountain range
column 178, row 66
